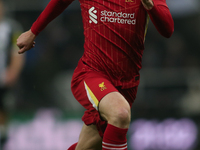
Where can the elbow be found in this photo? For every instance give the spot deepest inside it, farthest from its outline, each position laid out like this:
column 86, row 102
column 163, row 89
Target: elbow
column 169, row 29
column 168, row 33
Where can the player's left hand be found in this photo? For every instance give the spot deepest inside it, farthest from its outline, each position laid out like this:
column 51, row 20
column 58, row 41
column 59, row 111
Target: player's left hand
column 148, row 4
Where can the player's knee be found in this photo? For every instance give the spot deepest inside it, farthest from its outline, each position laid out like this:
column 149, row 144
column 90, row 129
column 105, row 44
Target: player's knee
column 121, row 117
column 115, row 110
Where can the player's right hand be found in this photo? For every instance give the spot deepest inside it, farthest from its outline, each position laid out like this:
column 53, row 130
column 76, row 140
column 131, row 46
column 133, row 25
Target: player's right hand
column 26, row 41
column 148, row 4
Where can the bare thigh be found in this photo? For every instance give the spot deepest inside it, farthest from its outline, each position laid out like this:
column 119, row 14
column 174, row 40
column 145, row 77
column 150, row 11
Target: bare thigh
column 89, row 139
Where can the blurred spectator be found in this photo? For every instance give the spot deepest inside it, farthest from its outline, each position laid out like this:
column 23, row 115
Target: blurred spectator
column 10, row 62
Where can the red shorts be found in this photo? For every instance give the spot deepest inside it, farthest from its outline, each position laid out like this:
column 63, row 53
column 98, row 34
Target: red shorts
column 89, row 87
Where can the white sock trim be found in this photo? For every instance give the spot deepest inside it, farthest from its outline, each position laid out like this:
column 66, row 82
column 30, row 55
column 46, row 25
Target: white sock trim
column 114, row 148
column 114, row 144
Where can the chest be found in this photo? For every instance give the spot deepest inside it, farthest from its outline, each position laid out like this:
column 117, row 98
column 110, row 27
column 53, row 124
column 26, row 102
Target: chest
column 111, row 11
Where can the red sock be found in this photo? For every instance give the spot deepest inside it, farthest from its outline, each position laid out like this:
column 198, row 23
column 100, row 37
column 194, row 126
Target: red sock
column 114, row 138
column 72, row 147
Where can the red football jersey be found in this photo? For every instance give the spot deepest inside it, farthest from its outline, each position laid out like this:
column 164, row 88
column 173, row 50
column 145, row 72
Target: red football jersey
column 114, row 38
column 114, row 33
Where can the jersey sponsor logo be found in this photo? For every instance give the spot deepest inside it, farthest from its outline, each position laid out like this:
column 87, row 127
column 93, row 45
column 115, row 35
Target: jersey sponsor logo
column 102, row 86
column 112, row 17
column 118, row 17
column 92, row 15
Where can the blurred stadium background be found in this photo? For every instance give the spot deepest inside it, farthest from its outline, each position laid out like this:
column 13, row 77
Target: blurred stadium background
column 43, row 114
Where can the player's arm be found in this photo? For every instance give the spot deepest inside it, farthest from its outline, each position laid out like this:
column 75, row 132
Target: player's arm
column 160, row 16
column 53, row 9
